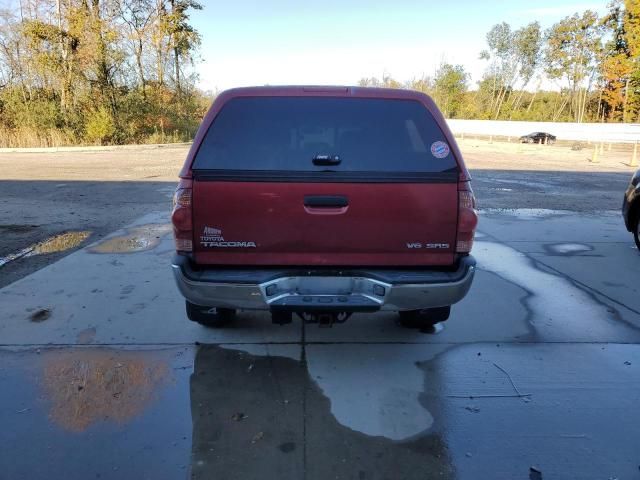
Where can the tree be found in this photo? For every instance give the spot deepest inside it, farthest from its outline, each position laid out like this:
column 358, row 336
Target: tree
column 527, row 47
column 86, row 68
column 514, row 58
column 424, row 85
column 138, row 17
column 501, row 69
column 386, row 82
column 631, row 21
column 449, row 87
column 573, row 53
column 183, row 38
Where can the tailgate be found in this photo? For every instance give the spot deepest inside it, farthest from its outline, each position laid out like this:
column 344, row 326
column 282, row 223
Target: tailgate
column 264, row 223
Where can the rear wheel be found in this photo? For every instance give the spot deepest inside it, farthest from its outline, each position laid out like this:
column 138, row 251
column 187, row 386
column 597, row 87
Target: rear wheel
column 424, row 318
column 636, row 229
column 210, row 316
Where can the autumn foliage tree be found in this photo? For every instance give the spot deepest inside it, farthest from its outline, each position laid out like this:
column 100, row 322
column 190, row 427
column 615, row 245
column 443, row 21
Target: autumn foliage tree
column 621, row 66
column 98, row 71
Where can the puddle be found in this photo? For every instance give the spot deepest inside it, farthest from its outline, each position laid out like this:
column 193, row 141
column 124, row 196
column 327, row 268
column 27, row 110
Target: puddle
column 60, row 243
column 134, row 239
column 542, row 213
column 130, row 420
column 319, row 408
column 384, row 403
column 92, row 386
column 558, row 309
column 526, row 213
column 570, row 248
column 55, row 244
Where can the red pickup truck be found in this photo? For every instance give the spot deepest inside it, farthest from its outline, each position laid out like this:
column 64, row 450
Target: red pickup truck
column 323, row 201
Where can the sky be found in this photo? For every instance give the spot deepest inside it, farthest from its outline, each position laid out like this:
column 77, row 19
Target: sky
column 338, row 42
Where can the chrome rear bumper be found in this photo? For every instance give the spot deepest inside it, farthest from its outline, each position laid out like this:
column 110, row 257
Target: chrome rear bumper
column 308, row 290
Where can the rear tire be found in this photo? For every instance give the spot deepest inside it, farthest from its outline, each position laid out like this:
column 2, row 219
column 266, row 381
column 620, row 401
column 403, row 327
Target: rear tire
column 210, row 316
column 636, row 229
column 423, row 319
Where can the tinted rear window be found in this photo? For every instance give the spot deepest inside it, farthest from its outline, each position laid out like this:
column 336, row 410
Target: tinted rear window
column 287, row 133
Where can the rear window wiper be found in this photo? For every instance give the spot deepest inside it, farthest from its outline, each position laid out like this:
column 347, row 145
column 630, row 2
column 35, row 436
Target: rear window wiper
column 326, row 160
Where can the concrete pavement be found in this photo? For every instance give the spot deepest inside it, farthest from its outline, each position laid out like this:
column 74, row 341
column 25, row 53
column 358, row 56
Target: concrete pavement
column 537, row 367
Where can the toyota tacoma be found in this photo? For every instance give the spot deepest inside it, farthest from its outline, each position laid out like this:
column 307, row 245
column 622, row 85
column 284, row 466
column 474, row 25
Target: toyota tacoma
column 323, row 201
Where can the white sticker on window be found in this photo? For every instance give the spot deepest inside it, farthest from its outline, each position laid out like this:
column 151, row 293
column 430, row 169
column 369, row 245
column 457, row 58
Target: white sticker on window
column 439, row 149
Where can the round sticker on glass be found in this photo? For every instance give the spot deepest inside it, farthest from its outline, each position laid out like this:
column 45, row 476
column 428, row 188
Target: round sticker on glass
column 439, row 149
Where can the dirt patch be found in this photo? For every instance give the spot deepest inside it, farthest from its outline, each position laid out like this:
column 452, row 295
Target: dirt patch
column 136, row 239
column 143, row 163
column 512, row 156
column 91, row 386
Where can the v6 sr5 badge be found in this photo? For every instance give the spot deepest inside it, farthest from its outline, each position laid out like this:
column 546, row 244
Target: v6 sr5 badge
column 428, row 246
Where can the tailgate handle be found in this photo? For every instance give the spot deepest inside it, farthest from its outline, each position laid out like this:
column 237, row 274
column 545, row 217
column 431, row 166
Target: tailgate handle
column 326, row 160
column 325, row 201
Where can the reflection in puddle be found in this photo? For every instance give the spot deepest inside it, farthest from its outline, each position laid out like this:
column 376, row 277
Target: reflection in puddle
column 294, row 415
column 60, row 243
column 135, row 239
column 55, row 244
column 384, row 403
column 89, row 386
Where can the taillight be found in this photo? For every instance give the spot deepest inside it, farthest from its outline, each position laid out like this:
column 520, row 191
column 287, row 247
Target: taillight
column 467, row 217
column 181, row 217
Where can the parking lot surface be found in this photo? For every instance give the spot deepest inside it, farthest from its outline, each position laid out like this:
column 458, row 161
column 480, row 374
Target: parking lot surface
column 535, row 375
column 112, row 380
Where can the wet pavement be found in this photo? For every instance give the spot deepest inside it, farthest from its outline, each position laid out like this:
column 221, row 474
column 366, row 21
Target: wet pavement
column 103, row 377
column 55, row 244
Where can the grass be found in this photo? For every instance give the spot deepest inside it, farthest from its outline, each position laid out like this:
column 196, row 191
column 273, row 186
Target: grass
column 30, row 137
column 27, row 137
